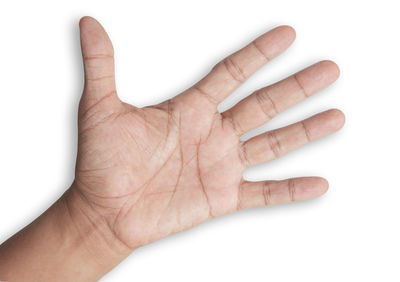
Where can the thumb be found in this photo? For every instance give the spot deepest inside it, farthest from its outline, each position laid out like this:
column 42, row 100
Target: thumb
column 98, row 61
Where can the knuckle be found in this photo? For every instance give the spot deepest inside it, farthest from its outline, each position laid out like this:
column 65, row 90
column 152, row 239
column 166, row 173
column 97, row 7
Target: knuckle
column 267, row 193
column 306, row 131
column 243, row 155
column 266, row 103
column 260, row 51
column 300, row 85
column 275, row 145
column 292, row 190
column 234, row 70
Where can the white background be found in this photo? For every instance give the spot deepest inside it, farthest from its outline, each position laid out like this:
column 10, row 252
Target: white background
column 350, row 234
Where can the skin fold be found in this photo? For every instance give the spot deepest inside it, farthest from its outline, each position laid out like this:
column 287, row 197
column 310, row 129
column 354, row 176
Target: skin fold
column 145, row 173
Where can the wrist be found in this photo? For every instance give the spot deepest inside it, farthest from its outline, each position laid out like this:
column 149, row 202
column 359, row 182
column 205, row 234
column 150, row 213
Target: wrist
column 68, row 242
column 90, row 233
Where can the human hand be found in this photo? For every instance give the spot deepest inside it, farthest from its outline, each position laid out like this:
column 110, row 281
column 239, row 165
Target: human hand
column 145, row 173
column 153, row 171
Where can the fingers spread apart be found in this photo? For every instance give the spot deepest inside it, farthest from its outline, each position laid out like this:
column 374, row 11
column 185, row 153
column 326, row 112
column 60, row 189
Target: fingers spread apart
column 227, row 75
column 266, row 103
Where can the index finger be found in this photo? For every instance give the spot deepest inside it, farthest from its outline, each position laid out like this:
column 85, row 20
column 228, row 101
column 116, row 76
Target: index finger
column 231, row 72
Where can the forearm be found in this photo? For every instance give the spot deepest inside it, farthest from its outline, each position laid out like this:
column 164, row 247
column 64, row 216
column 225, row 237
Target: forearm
column 68, row 242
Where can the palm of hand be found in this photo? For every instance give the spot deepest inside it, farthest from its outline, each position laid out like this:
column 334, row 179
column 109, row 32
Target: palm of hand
column 158, row 170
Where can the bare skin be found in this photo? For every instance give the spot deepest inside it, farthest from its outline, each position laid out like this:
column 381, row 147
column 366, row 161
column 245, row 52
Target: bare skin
column 145, row 173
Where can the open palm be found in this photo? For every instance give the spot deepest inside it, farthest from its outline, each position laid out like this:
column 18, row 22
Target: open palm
column 153, row 171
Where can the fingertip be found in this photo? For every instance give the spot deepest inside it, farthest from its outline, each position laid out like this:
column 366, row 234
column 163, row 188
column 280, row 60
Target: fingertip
column 85, row 20
column 318, row 76
column 287, row 32
column 324, row 123
column 325, row 71
column 331, row 67
column 94, row 38
column 310, row 187
column 275, row 41
column 338, row 117
column 291, row 32
column 322, row 184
